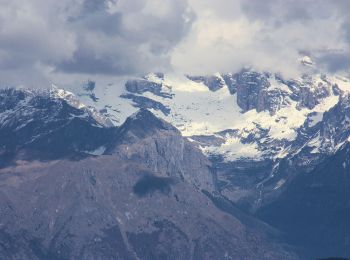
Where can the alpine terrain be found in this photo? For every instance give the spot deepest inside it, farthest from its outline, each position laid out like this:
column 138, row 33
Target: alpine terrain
column 244, row 165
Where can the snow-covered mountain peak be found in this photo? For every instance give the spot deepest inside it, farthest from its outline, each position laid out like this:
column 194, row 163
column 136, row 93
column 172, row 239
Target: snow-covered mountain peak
column 248, row 114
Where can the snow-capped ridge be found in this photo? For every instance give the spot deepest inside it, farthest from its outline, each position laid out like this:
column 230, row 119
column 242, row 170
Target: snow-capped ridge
column 73, row 101
column 263, row 110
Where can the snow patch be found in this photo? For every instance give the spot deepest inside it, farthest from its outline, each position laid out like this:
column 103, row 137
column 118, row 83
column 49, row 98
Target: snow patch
column 98, row 151
column 233, row 149
column 315, row 119
column 279, row 184
column 342, row 82
column 315, row 143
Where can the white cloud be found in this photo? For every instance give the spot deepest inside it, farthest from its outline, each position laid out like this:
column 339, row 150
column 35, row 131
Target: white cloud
column 227, row 41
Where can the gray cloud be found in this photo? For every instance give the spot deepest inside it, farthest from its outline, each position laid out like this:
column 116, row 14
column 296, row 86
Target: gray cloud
column 42, row 41
column 132, row 39
column 335, row 61
column 89, row 36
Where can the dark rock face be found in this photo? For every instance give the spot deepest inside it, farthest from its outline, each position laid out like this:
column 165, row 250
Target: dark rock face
column 45, row 126
column 214, row 83
column 231, row 82
column 10, row 98
column 251, row 87
column 159, row 75
column 271, row 100
column 314, row 209
column 254, row 92
column 140, row 86
column 147, row 103
column 307, row 98
column 89, row 86
column 310, row 96
column 239, row 181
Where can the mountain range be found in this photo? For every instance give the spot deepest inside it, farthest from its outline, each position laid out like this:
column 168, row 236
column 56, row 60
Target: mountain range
column 244, row 165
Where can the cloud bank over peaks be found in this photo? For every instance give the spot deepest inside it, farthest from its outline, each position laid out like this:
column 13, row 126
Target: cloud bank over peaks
column 43, row 41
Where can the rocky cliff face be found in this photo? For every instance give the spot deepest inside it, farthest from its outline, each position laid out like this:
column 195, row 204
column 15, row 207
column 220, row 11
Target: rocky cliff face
column 214, row 83
column 251, row 90
column 140, row 86
column 148, row 139
column 254, row 91
column 311, row 93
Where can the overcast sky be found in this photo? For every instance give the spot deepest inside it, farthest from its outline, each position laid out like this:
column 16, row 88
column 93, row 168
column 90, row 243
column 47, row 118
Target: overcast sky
column 43, row 41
